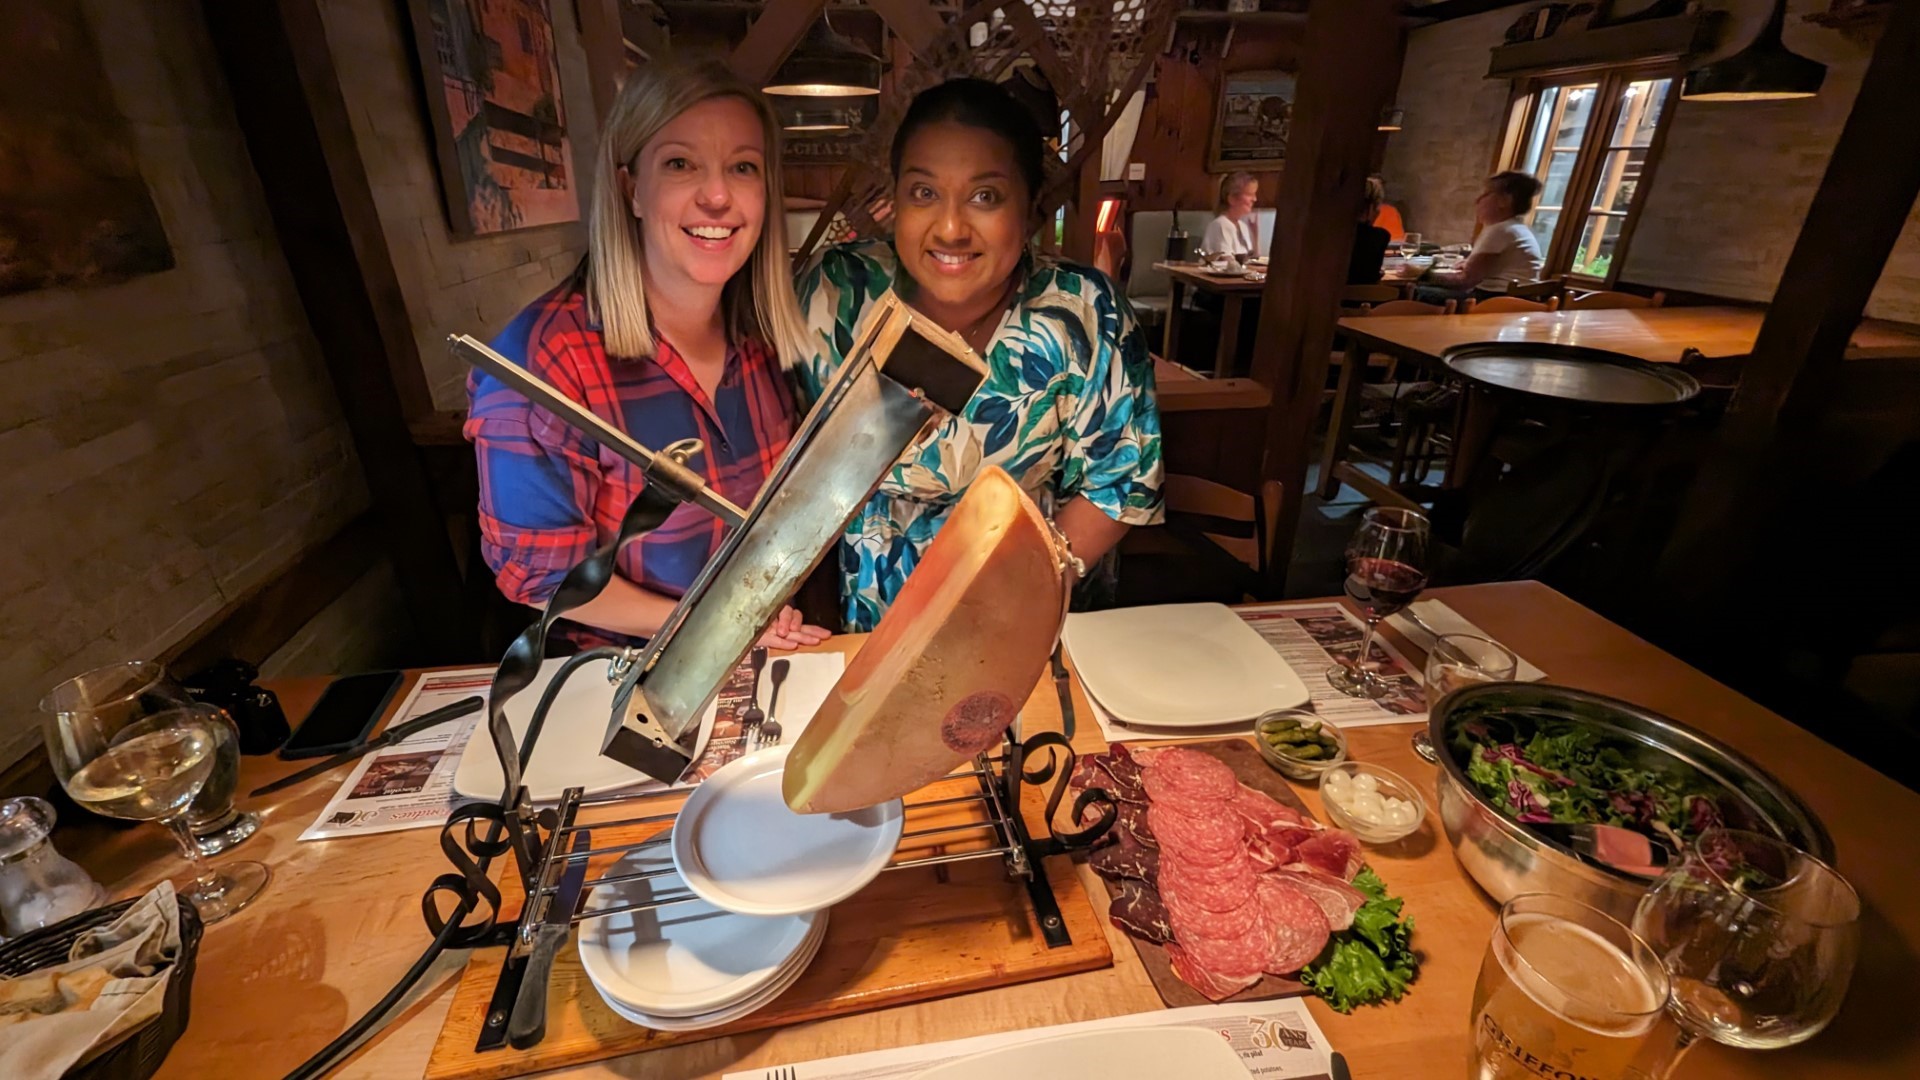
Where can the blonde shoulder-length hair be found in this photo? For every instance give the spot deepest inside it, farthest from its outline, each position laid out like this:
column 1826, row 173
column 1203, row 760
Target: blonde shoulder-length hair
column 758, row 303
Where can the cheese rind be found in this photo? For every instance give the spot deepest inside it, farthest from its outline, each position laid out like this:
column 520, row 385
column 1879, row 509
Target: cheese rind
column 946, row 670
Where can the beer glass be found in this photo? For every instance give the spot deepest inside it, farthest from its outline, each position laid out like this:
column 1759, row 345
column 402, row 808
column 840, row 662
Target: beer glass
column 118, row 695
column 1567, row 990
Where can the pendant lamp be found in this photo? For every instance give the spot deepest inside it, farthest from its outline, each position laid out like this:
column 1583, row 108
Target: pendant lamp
column 1763, row 71
column 826, row 65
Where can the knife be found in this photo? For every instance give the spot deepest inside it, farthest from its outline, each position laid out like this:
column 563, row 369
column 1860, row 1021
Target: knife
column 528, row 1025
column 1066, row 693
column 1339, row 1065
column 392, row 735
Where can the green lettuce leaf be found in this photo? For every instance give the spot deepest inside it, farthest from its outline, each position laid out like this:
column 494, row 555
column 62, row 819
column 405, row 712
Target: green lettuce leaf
column 1372, row 961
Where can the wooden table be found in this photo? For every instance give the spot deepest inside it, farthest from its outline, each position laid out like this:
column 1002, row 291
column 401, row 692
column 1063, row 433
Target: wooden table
column 1658, row 335
column 341, row 920
column 1233, row 291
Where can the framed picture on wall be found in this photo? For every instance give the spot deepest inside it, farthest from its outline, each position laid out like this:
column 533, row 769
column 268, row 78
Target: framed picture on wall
column 499, row 125
column 1252, row 121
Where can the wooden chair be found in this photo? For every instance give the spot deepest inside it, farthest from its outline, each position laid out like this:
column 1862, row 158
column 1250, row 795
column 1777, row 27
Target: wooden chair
column 1410, row 307
column 1502, row 304
column 1359, row 295
column 1217, row 542
column 1553, row 288
column 1600, row 301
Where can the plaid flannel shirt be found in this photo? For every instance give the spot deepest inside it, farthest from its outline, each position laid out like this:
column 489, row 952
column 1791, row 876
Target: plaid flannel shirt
column 549, row 494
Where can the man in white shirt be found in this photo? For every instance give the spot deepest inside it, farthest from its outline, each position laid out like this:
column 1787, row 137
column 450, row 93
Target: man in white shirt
column 1504, row 252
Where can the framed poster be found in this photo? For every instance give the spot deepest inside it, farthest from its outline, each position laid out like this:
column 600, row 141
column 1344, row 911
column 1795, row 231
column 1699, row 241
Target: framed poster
column 74, row 209
column 499, row 126
column 1252, row 122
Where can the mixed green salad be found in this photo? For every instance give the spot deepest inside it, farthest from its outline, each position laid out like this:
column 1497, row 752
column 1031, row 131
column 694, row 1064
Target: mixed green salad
column 1567, row 772
column 1370, row 961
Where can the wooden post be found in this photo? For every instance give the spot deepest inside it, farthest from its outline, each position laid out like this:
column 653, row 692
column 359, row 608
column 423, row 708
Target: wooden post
column 772, row 37
column 604, row 39
column 1350, row 69
column 914, row 22
column 1786, row 383
column 286, row 95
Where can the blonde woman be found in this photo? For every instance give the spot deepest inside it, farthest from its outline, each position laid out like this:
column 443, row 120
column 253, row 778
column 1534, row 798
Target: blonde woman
column 1235, row 231
column 678, row 324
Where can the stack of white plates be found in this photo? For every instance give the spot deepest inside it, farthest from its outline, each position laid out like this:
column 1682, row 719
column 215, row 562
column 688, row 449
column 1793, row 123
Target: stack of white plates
column 690, row 965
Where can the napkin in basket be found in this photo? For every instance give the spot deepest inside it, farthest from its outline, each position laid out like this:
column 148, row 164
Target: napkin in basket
column 137, row 951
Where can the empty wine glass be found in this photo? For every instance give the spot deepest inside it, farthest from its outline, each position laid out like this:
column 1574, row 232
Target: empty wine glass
column 150, row 770
column 120, row 694
column 1759, row 937
column 1386, row 570
column 1457, row 660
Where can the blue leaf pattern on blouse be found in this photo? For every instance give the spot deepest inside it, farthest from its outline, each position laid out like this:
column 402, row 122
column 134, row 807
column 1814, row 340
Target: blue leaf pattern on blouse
column 1067, row 407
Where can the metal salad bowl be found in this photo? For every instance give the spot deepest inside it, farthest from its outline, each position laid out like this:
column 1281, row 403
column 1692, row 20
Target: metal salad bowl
column 1507, row 857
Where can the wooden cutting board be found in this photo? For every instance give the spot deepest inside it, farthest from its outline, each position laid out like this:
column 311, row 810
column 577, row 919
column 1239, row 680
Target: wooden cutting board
column 1253, row 771
column 913, row 934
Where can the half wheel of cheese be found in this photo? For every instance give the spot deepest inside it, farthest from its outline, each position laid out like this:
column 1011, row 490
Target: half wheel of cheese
column 950, row 664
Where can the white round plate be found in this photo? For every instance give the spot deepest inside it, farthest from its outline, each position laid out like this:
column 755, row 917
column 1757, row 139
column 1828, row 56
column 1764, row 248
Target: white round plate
column 760, row 1000
column 687, row 958
column 738, row 846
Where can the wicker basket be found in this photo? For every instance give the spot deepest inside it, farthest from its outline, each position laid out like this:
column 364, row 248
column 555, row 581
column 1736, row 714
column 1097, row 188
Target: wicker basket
column 139, row 1055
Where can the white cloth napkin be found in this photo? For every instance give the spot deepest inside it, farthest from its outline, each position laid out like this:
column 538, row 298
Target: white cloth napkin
column 1448, row 621
column 139, row 948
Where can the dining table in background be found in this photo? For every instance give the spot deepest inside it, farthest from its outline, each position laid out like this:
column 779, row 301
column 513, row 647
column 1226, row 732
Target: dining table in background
column 341, row 921
column 1233, row 290
column 1657, row 335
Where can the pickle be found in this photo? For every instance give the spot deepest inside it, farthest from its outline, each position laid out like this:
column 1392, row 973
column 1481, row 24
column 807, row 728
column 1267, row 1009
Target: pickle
column 1308, row 752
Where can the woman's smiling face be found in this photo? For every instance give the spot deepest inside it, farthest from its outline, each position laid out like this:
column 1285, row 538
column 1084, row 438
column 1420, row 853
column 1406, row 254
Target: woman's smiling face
column 962, row 213
column 700, row 191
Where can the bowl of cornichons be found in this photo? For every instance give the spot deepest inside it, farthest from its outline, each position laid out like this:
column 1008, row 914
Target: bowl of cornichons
column 1298, row 744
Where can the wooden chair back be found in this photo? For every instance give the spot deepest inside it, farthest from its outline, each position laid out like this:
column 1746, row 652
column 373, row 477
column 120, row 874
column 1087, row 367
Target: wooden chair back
column 1356, row 295
column 1501, row 304
column 1197, row 497
column 1604, row 300
column 1409, row 307
column 1554, row 288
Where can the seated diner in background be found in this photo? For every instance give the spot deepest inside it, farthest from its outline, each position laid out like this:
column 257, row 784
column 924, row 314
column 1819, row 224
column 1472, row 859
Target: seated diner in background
column 1504, row 252
column 1068, row 405
column 674, row 327
column 1234, row 231
column 1369, row 240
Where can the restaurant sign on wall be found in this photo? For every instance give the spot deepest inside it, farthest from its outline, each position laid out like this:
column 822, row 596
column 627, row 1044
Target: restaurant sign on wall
column 1252, row 122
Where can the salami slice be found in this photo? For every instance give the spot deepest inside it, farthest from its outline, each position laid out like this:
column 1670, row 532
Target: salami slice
column 1337, row 899
column 1217, row 833
column 1125, row 858
column 1181, row 861
column 1243, row 954
column 1214, row 894
column 1180, row 774
column 1211, row 986
column 1333, row 851
column 1138, row 910
column 1300, row 928
column 1192, row 919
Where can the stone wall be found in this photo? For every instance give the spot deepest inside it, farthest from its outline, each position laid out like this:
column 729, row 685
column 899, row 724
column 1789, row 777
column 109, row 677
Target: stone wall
column 171, row 441
column 451, row 284
column 1729, row 192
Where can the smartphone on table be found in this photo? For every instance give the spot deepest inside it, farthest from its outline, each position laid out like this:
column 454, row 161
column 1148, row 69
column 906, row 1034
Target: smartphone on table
column 345, row 714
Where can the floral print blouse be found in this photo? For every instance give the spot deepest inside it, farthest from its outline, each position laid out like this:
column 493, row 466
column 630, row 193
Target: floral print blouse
column 1067, row 409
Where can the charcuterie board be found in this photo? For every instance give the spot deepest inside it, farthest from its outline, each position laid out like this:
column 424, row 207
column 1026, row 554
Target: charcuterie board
column 1245, row 761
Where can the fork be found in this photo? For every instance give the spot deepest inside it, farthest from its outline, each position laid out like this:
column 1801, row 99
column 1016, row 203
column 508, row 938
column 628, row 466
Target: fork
column 784, row 1072
column 754, row 715
column 768, row 733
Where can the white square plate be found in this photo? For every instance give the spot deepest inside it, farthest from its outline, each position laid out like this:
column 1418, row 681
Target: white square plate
column 1179, row 665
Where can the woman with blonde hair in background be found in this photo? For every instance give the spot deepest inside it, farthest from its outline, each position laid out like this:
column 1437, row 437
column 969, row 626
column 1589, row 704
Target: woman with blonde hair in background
column 1235, row 232
column 680, row 323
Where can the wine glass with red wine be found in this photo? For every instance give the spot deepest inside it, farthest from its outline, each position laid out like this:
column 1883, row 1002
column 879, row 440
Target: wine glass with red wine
column 1386, row 570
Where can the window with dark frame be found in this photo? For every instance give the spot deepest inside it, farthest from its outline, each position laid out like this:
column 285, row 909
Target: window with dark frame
column 1590, row 138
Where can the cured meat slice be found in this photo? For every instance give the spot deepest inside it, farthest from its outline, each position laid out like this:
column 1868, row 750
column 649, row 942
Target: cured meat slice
column 1182, row 774
column 1091, row 772
column 1133, row 819
column 1333, row 851
column 1211, row 985
column 1138, row 910
column 1124, row 767
column 1118, row 777
column 1337, row 899
column 1243, row 954
column 1192, row 919
column 1300, row 928
column 1222, row 893
column 1217, row 833
column 1126, row 858
column 1265, row 854
column 1182, row 863
column 1263, row 811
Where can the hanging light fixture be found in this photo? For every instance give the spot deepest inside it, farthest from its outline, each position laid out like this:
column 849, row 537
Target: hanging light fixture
column 826, row 65
column 1766, row 70
column 809, row 116
column 1391, row 118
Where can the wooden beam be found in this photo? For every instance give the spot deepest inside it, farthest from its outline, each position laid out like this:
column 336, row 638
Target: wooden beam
column 1349, row 72
column 605, row 41
column 772, row 37
column 286, row 96
column 914, row 22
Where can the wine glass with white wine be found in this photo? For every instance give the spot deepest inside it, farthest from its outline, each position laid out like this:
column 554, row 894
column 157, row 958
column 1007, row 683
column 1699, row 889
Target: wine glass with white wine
column 151, row 770
column 1759, row 938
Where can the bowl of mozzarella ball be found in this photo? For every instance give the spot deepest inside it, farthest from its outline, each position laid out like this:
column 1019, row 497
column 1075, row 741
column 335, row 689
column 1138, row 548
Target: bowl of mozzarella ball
column 1372, row 803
